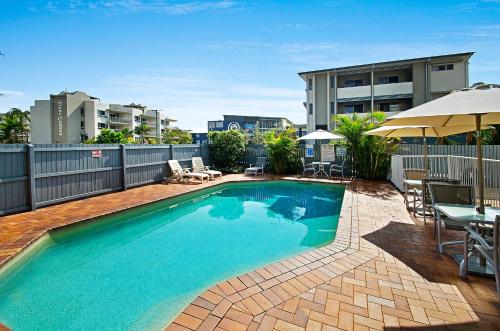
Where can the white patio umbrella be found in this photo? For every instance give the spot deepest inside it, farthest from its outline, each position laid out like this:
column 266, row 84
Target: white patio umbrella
column 321, row 135
column 423, row 131
column 479, row 105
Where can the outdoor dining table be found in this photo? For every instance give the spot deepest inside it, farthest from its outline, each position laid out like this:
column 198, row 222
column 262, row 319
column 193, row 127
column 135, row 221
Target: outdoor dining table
column 468, row 214
column 320, row 168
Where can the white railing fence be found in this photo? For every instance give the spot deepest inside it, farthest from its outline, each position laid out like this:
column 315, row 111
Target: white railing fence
column 453, row 167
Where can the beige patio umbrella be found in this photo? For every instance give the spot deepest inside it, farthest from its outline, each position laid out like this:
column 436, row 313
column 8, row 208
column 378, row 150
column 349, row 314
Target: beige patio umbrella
column 423, row 131
column 479, row 105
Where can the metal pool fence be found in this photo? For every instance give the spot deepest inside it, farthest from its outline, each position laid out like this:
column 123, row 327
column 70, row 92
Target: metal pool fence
column 461, row 168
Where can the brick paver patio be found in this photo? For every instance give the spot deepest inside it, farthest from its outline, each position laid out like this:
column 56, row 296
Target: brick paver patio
column 381, row 272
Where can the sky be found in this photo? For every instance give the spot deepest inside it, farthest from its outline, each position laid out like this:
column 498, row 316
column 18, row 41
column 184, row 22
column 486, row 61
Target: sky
column 198, row 60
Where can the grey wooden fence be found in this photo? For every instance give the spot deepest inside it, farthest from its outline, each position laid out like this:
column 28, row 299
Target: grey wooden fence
column 32, row 176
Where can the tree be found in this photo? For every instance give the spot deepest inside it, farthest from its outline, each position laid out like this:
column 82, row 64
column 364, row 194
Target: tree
column 228, row 149
column 141, row 131
column 108, row 136
column 257, row 137
column 176, row 136
column 128, row 135
column 371, row 154
column 15, row 127
column 282, row 149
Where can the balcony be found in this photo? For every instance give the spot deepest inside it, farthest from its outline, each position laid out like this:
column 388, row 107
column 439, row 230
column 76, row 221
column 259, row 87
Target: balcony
column 363, row 93
column 395, row 89
column 358, row 92
column 117, row 120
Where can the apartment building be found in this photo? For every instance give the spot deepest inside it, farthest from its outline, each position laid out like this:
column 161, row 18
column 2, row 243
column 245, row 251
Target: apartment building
column 73, row 117
column 390, row 87
column 248, row 123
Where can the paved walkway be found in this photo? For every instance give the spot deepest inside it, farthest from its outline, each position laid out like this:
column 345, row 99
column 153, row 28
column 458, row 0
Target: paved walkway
column 381, row 272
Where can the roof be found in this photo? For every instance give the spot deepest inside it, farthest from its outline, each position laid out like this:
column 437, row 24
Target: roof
column 75, row 92
column 404, row 61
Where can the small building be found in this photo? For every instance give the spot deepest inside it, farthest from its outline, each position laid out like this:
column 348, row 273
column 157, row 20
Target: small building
column 249, row 123
column 73, row 117
column 199, row 137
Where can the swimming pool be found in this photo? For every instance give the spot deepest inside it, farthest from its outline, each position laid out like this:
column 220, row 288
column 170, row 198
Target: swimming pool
column 138, row 269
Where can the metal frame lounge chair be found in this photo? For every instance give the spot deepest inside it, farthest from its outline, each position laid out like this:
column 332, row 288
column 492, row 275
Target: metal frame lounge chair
column 181, row 174
column 449, row 193
column 487, row 247
column 198, row 166
column 259, row 167
column 307, row 167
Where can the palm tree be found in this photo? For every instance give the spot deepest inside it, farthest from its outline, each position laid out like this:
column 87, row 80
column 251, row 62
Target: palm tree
column 15, row 127
column 141, row 131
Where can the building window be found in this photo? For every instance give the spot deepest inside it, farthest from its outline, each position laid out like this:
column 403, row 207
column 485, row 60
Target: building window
column 353, row 82
column 332, row 107
column 82, row 111
column 310, row 109
column 137, row 119
column 310, row 84
column 443, row 67
column 388, row 106
column 349, row 109
column 101, row 113
column 102, row 125
column 82, row 125
column 332, row 82
column 388, row 80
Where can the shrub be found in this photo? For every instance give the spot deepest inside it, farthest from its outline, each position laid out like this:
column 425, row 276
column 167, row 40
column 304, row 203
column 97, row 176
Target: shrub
column 108, row 136
column 228, row 149
column 282, row 150
column 176, row 136
column 371, row 154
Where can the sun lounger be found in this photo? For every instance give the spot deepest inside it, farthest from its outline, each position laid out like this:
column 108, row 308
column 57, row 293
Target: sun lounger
column 181, row 174
column 198, row 166
column 259, row 167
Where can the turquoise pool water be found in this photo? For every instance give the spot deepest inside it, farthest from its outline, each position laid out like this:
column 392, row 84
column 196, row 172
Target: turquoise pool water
column 138, row 269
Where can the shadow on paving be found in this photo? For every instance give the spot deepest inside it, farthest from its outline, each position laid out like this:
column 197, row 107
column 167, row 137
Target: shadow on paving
column 414, row 245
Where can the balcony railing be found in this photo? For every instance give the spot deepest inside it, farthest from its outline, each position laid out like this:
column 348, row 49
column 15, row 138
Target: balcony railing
column 120, row 120
column 393, row 89
column 354, row 92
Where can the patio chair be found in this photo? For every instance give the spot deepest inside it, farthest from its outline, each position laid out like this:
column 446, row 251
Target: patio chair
column 423, row 197
column 485, row 246
column 413, row 174
column 449, row 193
column 338, row 168
column 259, row 167
column 198, row 166
column 307, row 167
column 181, row 174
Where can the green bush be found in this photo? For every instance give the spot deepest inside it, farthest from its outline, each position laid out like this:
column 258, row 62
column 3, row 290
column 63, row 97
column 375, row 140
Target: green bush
column 108, row 136
column 282, row 150
column 371, row 154
column 176, row 136
column 228, row 149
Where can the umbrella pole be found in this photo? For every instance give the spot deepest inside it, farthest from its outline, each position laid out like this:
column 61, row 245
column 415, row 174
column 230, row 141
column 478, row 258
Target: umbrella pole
column 480, row 163
column 426, row 163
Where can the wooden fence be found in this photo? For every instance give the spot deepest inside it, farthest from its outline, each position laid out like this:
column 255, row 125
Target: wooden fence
column 38, row 175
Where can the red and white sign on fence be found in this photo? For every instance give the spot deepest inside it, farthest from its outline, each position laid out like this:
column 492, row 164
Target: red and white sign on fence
column 96, row 153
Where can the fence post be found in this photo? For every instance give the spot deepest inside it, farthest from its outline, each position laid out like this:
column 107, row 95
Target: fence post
column 124, row 165
column 31, row 176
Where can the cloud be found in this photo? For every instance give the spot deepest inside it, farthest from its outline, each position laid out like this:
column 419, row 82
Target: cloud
column 482, row 31
column 136, row 6
column 7, row 93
